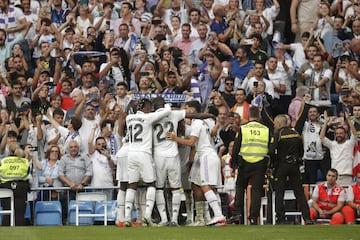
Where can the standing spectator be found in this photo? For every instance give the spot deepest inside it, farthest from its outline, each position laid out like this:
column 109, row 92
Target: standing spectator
column 198, row 44
column 341, row 149
column 296, row 103
column 75, row 171
column 241, row 106
column 255, row 53
column 250, row 155
column 240, row 66
column 318, row 80
column 327, row 199
column 176, row 9
column 185, row 42
column 313, row 149
column 220, row 26
column 286, row 69
column 102, row 164
column 303, row 15
column 12, row 20
column 58, row 14
column 287, row 150
column 228, row 93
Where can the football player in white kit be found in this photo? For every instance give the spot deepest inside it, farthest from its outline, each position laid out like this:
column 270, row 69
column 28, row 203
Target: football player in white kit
column 167, row 162
column 205, row 171
column 140, row 161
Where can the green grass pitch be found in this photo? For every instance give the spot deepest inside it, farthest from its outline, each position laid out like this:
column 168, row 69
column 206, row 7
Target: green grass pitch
column 343, row 232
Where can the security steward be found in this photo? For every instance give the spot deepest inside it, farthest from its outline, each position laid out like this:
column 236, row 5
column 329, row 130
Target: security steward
column 250, row 154
column 14, row 171
column 286, row 148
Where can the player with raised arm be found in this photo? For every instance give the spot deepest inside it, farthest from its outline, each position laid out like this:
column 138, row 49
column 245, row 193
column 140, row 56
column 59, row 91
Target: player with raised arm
column 140, row 161
column 205, row 171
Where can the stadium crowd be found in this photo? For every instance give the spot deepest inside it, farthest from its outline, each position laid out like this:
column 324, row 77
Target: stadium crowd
column 76, row 77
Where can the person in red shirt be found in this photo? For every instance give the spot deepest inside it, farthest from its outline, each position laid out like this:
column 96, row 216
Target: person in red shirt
column 352, row 208
column 328, row 199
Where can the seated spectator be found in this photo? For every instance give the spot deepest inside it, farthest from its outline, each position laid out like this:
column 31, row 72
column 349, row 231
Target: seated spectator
column 352, row 208
column 328, row 199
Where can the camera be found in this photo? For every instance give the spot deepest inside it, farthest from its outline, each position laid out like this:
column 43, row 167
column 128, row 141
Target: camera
column 107, row 22
column 156, row 21
column 256, row 84
column 93, row 96
column 144, row 74
column 33, row 149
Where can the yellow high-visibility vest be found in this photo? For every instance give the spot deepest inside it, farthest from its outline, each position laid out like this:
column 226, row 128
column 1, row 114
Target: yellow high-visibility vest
column 254, row 142
column 13, row 168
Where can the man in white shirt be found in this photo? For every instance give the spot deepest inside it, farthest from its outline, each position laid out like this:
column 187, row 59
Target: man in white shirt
column 341, row 149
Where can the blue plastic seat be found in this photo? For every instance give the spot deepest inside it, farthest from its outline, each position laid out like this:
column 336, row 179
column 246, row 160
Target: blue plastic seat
column 111, row 212
column 48, row 213
column 85, row 207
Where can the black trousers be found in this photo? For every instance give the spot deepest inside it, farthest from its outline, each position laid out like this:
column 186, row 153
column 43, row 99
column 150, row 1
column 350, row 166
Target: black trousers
column 20, row 197
column 255, row 172
column 283, row 172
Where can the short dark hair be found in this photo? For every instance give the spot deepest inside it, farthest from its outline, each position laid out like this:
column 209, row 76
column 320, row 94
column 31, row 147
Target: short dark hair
column 194, row 104
column 107, row 121
column 76, row 123
column 59, row 112
column 254, row 112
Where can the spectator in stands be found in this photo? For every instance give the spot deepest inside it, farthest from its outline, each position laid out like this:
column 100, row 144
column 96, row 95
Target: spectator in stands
column 297, row 103
column 341, row 149
column 198, row 44
column 240, row 66
column 176, row 9
column 185, row 42
column 228, row 93
column 220, row 26
column 102, row 163
column 318, row 80
column 327, row 199
column 255, row 53
column 75, row 171
column 12, row 20
column 241, row 106
column 221, row 50
column 251, row 83
column 48, row 175
column 303, row 15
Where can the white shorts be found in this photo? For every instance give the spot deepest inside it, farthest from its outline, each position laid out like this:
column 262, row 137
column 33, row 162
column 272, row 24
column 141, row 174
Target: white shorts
column 206, row 170
column 167, row 168
column 122, row 169
column 140, row 166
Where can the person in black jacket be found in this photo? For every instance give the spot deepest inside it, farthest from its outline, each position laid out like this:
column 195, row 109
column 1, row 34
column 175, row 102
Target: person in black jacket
column 286, row 150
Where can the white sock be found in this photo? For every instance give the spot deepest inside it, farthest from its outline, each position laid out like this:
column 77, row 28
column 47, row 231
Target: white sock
column 160, row 203
column 189, row 202
column 150, row 200
column 206, row 211
column 176, row 200
column 213, row 202
column 120, row 216
column 129, row 201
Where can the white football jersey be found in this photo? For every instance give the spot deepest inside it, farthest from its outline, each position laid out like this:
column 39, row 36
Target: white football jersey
column 201, row 129
column 163, row 146
column 140, row 128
